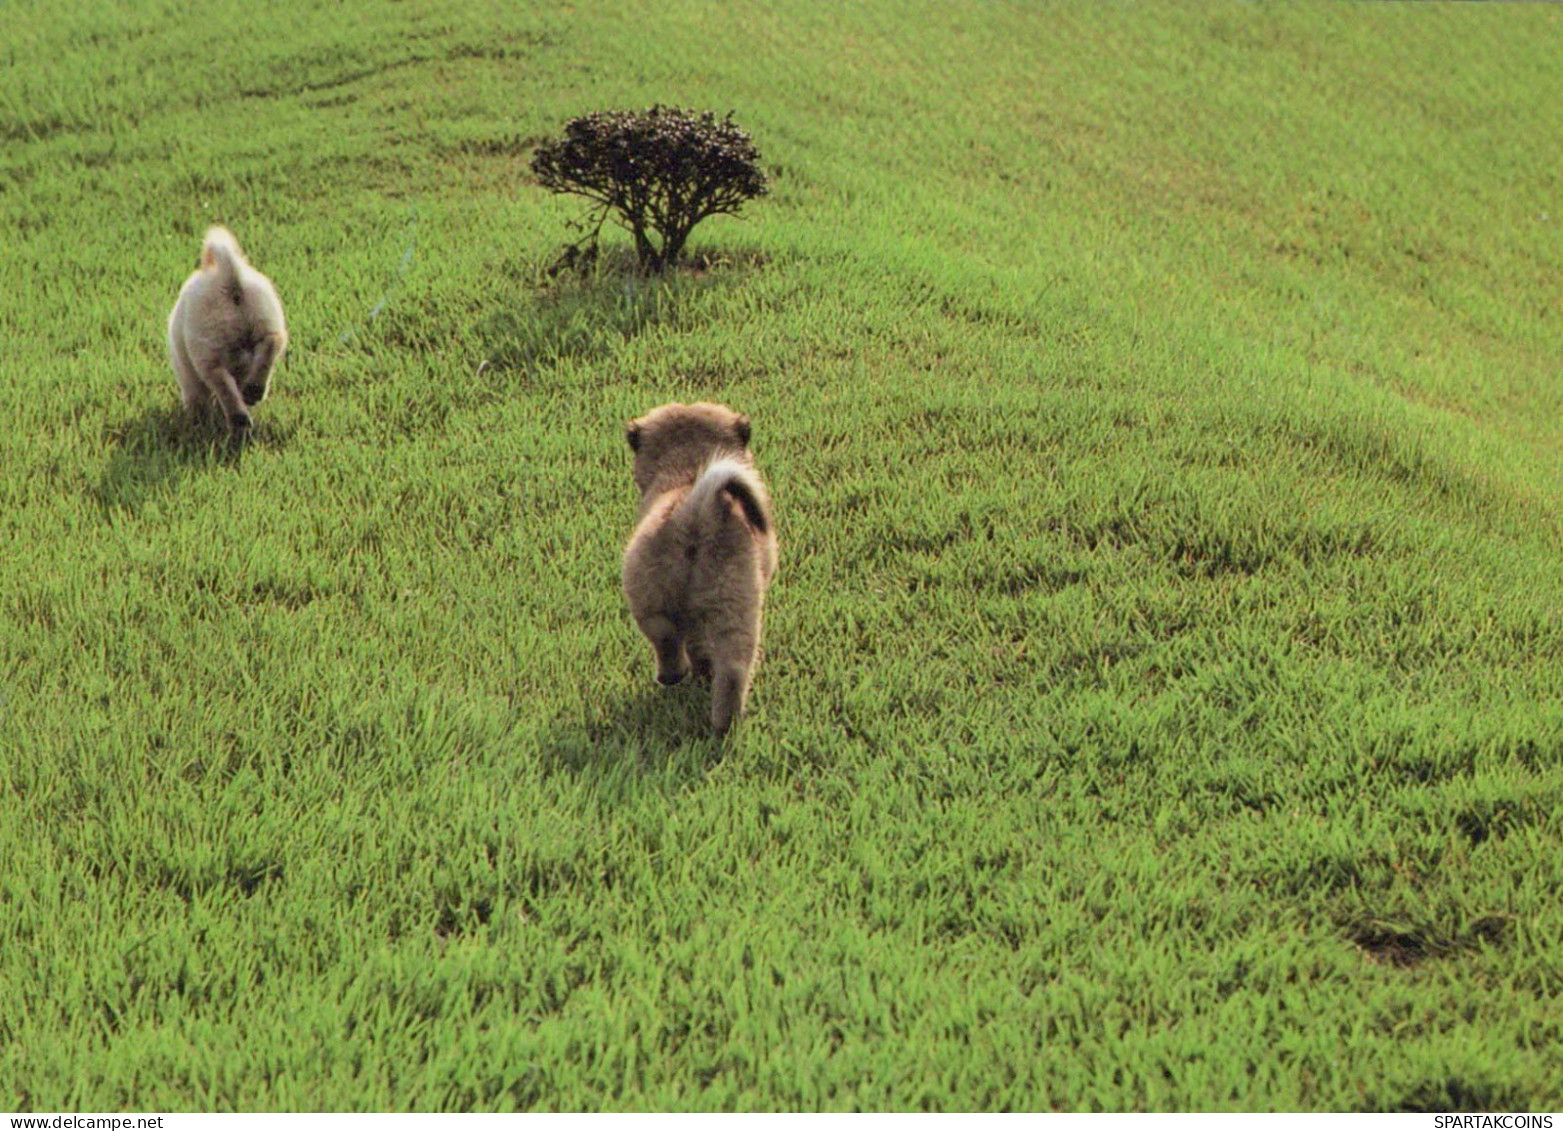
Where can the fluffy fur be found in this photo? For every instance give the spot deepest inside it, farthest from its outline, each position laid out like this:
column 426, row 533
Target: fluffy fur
column 703, row 551
column 226, row 333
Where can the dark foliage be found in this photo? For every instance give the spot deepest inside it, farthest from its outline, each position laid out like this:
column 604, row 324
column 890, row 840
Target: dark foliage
column 661, row 170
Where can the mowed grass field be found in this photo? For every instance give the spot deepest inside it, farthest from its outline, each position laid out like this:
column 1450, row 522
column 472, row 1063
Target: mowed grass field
column 1160, row 704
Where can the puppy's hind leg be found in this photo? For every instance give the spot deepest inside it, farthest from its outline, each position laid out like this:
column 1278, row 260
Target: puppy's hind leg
column 732, row 666
column 672, row 664
column 729, row 690
column 258, row 379
column 193, row 393
column 225, row 391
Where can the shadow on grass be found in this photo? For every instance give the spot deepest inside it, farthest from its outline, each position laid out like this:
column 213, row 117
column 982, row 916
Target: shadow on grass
column 585, row 314
column 656, row 732
column 154, row 451
column 1404, row 944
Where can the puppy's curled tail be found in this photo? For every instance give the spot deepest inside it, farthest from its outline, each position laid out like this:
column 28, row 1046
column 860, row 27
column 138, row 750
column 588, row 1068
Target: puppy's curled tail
column 738, row 482
column 221, row 251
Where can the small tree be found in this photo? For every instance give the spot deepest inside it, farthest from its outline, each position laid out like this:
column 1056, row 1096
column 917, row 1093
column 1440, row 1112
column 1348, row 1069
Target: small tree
column 662, row 170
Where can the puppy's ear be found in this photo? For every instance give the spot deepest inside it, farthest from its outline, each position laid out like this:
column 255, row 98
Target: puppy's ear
column 741, row 427
column 632, row 434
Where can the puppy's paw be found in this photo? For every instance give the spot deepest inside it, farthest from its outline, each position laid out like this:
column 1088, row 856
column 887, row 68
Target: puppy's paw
column 253, row 394
column 240, row 423
column 670, row 678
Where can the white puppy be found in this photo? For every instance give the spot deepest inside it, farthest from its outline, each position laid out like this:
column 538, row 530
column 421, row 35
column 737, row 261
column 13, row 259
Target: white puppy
column 226, row 332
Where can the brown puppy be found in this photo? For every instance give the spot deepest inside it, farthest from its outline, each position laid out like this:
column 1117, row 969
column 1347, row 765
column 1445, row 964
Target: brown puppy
column 703, row 550
column 226, row 332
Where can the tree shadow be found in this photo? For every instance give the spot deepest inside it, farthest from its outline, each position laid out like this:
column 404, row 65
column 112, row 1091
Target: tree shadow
column 153, row 451
column 582, row 315
column 657, row 732
column 587, row 312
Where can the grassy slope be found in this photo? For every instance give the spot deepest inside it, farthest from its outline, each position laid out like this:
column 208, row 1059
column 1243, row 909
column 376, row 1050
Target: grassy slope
column 1160, row 703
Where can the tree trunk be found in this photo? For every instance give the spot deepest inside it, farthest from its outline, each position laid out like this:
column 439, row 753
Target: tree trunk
column 673, row 245
column 645, row 252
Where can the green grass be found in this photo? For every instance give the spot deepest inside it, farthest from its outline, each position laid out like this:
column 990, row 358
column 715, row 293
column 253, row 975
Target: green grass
column 1161, row 696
